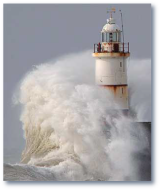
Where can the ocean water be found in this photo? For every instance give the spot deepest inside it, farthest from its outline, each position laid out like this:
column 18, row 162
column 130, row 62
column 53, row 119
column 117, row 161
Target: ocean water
column 72, row 130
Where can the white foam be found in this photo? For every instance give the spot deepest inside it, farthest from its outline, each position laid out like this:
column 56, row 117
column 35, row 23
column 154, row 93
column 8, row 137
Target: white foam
column 69, row 126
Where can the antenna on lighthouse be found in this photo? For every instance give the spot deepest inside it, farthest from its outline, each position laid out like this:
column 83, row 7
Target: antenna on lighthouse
column 112, row 10
column 122, row 25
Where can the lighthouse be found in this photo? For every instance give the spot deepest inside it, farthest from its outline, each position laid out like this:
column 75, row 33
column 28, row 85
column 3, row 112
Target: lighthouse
column 111, row 56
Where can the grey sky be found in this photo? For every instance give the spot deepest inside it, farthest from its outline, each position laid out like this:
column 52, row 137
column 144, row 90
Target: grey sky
column 36, row 33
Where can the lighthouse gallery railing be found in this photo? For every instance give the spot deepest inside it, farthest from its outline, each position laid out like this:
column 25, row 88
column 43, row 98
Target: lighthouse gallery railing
column 116, row 47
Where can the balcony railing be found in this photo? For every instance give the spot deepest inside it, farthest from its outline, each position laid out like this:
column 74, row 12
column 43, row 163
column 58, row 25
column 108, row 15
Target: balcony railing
column 111, row 47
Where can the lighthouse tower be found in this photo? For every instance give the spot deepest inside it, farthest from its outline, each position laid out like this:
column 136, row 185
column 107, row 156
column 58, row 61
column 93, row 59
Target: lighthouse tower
column 111, row 56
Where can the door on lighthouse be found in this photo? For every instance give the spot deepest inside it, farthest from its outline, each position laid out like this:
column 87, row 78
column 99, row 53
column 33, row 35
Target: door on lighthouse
column 116, row 47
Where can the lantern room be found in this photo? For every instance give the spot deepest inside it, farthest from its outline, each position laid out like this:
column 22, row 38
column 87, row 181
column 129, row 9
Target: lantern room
column 111, row 39
column 110, row 36
column 111, row 32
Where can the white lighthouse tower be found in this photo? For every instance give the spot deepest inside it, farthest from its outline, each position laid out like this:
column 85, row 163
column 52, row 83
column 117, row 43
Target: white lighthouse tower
column 111, row 56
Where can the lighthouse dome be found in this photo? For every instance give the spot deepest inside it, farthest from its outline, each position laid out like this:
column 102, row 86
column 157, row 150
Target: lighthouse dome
column 111, row 26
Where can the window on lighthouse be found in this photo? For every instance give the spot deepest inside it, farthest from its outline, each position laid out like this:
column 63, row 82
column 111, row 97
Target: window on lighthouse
column 107, row 37
column 118, row 36
column 110, row 37
column 114, row 37
column 103, row 37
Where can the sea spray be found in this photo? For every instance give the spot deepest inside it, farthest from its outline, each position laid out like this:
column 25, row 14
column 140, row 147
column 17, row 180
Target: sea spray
column 71, row 126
